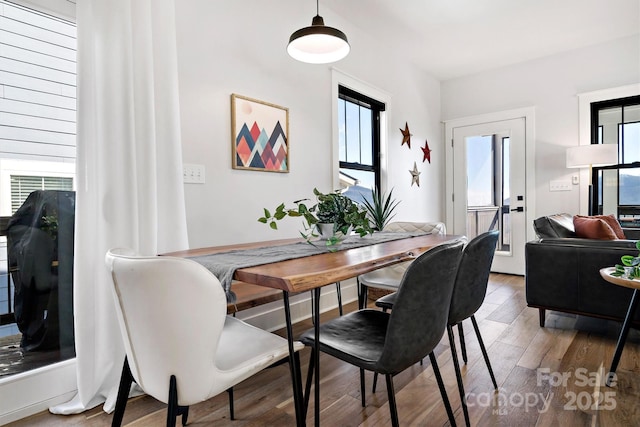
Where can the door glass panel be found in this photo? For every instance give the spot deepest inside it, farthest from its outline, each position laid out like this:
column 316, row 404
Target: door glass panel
column 482, row 211
column 488, row 188
column 504, row 243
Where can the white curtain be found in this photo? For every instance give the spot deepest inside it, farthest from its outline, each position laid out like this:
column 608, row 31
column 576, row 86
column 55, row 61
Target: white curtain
column 129, row 181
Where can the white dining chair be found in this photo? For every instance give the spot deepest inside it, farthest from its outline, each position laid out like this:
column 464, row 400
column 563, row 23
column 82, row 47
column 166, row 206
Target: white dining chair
column 181, row 347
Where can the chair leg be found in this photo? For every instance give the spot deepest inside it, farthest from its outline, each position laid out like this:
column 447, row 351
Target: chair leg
column 443, row 390
column 375, row 382
column 362, row 396
column 185, row 415
column 484, row 351
column 174, row 410
column 339, row 295
column 392, row 401
column 541, row 314
column 463, row 347
column 231, row 411
column 363, row 293
column 307, row 387
column 126, row 379
column 456, row 366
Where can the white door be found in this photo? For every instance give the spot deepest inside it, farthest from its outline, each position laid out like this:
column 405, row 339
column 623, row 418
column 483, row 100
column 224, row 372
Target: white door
column 489, row 182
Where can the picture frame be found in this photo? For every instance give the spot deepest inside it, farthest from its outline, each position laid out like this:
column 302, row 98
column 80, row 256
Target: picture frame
column 259, row 135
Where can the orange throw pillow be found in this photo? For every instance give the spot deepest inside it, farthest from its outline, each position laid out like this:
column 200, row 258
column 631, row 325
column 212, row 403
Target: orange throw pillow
column 593, row 228
column 612, row 221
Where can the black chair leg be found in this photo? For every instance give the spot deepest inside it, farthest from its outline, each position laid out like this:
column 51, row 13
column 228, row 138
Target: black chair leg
column 456, row 366
column 484, row 351
column 231, row 410
column 126, row 379
column 339, row 295
column 185, row 415
column 363, row 294
column 174, row 409
column 375, row 382
column 443, row 390
column 463, row 347
column 392, row 401
column 541, row 314
column 307, row 387
column 362, row 397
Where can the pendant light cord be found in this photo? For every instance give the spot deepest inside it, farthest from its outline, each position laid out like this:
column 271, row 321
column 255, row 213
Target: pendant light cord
column 317, row 7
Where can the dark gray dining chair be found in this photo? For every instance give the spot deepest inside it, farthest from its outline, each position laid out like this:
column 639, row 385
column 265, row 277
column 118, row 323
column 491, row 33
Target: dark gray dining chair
column 469, row 291
column 388, row 343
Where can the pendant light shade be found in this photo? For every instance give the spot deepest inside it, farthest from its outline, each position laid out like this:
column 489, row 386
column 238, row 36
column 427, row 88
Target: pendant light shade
column 318, row 44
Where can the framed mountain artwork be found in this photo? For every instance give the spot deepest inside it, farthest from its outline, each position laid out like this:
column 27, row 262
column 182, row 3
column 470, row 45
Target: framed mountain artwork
column 260, row 135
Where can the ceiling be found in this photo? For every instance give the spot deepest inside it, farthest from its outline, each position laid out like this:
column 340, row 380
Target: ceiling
column 453, row 38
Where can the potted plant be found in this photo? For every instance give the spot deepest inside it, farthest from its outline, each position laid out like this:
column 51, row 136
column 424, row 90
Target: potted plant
column 630, row 267
column 334, row 213
column 380, row 209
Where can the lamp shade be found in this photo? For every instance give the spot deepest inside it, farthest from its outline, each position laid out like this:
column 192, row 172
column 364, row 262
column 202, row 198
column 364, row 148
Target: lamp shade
column 584, row 156
column 318, row 44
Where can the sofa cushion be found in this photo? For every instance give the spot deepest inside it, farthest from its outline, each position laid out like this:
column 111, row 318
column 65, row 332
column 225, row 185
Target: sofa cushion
column 558, row 225
column 593, row 228
column 612, row 221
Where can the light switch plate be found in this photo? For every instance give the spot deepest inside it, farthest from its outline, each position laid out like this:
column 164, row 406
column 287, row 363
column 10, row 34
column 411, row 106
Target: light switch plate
column 559, row 186
column 193, row 174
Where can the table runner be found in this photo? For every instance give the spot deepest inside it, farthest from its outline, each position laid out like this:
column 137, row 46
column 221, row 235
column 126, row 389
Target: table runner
column 224, row 264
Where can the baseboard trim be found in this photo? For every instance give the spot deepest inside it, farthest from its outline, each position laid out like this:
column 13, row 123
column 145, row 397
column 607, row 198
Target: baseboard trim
column 35, row 391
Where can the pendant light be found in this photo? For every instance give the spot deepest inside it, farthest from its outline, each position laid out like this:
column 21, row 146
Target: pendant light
column 318, row 44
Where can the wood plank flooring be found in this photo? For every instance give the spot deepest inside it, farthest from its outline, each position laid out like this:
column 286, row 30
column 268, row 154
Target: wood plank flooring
column 546, row 377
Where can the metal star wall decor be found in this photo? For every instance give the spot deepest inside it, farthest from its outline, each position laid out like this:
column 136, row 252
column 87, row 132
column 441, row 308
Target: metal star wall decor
column 426, row 151
column 415, row 175
column 406, row 135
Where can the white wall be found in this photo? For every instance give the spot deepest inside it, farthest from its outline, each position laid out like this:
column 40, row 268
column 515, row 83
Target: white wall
column 240, row 47
column 551, row 85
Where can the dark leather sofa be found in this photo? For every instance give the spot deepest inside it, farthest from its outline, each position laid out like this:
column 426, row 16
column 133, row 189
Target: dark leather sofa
column 562, row 271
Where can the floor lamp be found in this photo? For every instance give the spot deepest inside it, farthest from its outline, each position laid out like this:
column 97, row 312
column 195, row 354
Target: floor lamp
column 588, row 156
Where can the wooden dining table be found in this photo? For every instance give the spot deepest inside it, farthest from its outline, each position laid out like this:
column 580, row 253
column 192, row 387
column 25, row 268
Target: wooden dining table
column 311, row 273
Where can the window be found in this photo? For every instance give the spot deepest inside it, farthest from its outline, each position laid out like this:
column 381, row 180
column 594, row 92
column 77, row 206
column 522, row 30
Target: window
column 37, row 122
column 22, row 186
column 359, row 139
column 617, row 187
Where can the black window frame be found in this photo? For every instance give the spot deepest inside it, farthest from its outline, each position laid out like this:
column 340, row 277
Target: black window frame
column 596, row 179
column 376, row 107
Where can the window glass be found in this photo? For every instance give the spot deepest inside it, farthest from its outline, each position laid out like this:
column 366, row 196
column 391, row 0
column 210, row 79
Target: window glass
column 359, row 142
column 480, row 173
column 37, row 151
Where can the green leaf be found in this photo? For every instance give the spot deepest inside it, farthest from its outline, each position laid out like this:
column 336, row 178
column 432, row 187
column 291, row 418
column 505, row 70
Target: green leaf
column 262, row 220
column 273, row 225
column 267, row 214
column 627, row 260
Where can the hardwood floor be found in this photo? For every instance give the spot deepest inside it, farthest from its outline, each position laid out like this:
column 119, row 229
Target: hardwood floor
column 546, row 376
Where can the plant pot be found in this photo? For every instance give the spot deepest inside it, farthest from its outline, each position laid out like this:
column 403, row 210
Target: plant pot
column 325, row 230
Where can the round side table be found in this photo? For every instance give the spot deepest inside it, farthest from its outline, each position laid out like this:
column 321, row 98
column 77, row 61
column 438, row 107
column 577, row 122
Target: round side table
column 627, row 283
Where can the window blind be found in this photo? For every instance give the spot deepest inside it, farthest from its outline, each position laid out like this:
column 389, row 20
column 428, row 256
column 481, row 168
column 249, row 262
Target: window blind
column 23, row 185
